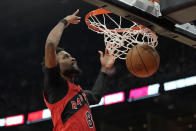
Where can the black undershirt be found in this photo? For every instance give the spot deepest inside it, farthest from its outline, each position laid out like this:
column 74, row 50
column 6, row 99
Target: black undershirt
column 55, row 86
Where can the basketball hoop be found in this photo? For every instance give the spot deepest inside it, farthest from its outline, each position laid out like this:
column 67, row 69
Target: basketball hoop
column 118, row 40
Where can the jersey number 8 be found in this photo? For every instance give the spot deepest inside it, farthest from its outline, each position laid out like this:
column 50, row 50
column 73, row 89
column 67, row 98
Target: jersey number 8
column 89, row 119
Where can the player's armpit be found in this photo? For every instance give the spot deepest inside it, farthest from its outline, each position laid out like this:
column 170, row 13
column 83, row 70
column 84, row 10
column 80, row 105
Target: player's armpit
column 92, row 97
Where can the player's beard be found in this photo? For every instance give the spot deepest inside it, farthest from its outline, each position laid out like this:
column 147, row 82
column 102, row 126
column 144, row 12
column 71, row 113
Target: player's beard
column 73, row 72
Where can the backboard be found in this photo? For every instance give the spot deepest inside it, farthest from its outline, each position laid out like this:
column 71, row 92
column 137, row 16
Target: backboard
column 173, row 18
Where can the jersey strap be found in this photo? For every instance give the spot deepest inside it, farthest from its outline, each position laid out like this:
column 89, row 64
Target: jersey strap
column 74, row 105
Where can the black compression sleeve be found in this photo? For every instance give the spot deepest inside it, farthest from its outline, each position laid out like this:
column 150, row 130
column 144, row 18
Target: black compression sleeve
column 98, row 90
column 55, row 87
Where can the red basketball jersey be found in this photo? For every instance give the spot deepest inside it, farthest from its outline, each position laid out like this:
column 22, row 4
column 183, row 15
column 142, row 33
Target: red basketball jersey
column 72, row 113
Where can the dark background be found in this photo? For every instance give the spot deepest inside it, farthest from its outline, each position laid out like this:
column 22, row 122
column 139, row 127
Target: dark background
column 24, row 26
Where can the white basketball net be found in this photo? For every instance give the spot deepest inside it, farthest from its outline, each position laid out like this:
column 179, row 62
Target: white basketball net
column 119, row 42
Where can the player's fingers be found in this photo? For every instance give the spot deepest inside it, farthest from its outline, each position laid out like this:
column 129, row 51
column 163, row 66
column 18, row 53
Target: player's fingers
column 114, row 58
column 106, row 51
column 75, row 21
column 77, row 17
column 76, row 12
column 109, row 52
column 101, row 53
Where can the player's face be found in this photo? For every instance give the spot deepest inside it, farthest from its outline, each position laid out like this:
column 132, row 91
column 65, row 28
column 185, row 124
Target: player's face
column 68, row 64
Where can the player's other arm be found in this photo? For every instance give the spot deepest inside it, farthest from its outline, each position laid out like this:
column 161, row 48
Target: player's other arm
column 54, row 37
column 99, row 88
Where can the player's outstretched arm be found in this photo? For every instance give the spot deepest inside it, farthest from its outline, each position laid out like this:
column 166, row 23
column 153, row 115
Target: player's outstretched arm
column 99, row 88
column 55, row 36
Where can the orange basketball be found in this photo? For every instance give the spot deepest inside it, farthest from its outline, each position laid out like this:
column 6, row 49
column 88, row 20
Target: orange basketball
column 142, row 60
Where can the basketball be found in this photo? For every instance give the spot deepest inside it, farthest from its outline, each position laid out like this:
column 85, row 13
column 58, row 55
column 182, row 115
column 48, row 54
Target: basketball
column 142, row 61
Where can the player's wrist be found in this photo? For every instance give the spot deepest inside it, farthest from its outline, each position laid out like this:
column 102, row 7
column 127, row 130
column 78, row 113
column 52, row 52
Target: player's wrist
column 64, row 21
column 106, row 71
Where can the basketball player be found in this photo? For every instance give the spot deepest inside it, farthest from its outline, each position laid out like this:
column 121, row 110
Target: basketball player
column 68, row 103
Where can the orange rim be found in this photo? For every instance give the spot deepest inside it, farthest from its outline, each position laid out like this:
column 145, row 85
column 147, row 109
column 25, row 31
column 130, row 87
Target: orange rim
column 95, row 12
column 103, row 11
column 158, row 1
